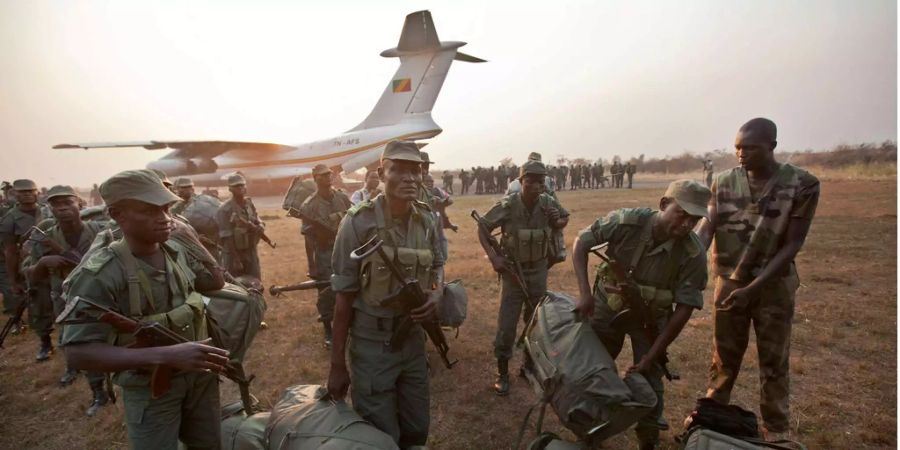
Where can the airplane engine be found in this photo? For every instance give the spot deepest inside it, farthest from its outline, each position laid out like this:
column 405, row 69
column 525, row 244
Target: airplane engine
column 204, row 165
column 174, row 167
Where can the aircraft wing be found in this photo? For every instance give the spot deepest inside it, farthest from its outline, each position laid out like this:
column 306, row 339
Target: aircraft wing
column 186, row 149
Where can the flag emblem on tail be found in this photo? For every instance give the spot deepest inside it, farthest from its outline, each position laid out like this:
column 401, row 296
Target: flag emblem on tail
column 401, row 85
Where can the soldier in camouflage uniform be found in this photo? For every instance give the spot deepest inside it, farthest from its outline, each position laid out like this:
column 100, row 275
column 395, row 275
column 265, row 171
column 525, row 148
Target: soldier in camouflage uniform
column 14, row 229
column 390, row 385
column 165, row 290
column 239, row 230
column 52, row 258
column 668, row 265
column 321, row 214
column 630, row 170
column 760, row 215
column 527, row 220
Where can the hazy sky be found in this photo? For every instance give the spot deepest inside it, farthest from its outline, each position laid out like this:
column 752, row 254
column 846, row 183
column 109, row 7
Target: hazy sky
column 589, row 79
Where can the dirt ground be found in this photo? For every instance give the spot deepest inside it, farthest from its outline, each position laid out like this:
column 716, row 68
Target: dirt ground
column 843, row 362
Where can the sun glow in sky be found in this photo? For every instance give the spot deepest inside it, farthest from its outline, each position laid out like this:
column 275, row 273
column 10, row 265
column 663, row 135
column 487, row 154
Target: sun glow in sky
column 579, row 78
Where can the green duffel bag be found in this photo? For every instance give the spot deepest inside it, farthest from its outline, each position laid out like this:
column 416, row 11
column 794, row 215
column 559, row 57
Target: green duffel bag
column 297, row 194
column 306, row 419
column 236, row 311
column 454, row 303
column 705, row 439
column 576, row 375
column 240, row 432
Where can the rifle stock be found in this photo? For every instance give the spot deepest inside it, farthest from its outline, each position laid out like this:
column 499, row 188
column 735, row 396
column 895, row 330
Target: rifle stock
column 276, row 290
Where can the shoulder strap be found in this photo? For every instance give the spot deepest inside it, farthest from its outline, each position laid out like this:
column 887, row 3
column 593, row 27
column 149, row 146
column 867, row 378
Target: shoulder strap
column 642, row 244
column 137, row 280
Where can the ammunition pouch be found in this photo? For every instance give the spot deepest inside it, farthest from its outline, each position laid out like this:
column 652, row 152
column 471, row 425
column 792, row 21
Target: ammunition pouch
column 527, row 244
column 659, row 299
column 377, row 282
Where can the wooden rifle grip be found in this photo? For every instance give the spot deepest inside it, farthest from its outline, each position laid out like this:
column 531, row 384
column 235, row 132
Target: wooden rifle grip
column 160, row 381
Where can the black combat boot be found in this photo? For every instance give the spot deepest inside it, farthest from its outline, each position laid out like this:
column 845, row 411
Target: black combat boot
column 68, row 377
column 501, row 386
column 327, row 326
column 100, row 399
column 46, row 349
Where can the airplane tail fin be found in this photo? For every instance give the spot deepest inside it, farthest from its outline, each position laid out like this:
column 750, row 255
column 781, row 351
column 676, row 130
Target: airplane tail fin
column 424, row 63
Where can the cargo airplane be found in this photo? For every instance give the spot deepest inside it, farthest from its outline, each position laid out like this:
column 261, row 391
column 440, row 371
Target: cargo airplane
column 402, row 113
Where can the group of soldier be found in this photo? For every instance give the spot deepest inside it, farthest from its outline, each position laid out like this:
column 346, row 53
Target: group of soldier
column 491, row 180
column 143, row 271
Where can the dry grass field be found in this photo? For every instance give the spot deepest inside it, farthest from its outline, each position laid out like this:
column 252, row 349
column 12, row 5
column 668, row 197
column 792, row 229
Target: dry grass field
column 843, row 362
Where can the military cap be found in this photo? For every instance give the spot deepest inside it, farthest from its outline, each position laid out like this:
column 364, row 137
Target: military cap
column 534, row 156
column 184, row 182
column 236, row 180
column 162, row 176
column 425, row 158
column 320, row 169
column 5, row 186
column 141, row 185
column 532, row 167
column 24, row 185
column 61, row 191
column 691, row 196
column 402, row 150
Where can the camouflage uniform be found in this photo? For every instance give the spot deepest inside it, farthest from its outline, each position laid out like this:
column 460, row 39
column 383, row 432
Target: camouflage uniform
column 526, row 236
column 13, row 228
column 389, row 385
column 320, row 224
column 748, row 233
column 233, row 220
column 671, row 272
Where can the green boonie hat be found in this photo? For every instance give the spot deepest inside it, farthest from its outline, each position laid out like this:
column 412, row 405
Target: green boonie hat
column 61, row 191
column 184, row 182
column 140, row 185
column 236, row 180
column 425, row 158
column 162, row 176
column 532, row 167
column 320, row 169
column 534, row 156
column 24, row 185
column 402, row 150
column 691, row 196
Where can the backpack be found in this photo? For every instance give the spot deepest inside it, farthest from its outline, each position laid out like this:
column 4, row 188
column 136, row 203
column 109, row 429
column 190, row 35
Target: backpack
column 578, row 377
column 242, row 432
column 306, row 419
column 237, row 312
column 451, row 310
column 713, row 426
column 297, row 194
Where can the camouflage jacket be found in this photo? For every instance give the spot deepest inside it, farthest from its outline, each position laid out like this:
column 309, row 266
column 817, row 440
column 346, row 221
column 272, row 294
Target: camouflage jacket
column 319, row 213
column 750, row 229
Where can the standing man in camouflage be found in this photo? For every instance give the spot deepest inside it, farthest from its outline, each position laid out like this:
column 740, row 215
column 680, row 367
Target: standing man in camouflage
column 52, row 258
column 239, row 230
column 708, row 172
column 668, row 267
column 527, row 220
column 14, row 229
column 321, row 214
column 630, row 170
column 390, row 385
column 166, row 293
column 760, row 215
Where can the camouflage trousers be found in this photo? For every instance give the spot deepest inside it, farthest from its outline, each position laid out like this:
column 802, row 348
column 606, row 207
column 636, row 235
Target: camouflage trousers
column 10, row 301
column 770, row 314
column 40, row 310
column 189, row 412
column 512, row 300
column 389, row 386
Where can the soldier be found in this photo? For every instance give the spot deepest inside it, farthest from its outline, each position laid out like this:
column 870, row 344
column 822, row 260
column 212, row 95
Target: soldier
column 322, row 213
column 14, row 229
column 52, row 258
column 479, row 180
column 708, row 172
column 239, row 230
column 600, row 177
column 760, row 215
column 527, row 219
column 184, row 188
column 425, row 194
column 667, row 264
column 95, row 196
column 167, row 293
column 369, row 191
column 630, row 169
column 440, row 199
column 199, row 212
column 390, row 385
column 464, row 182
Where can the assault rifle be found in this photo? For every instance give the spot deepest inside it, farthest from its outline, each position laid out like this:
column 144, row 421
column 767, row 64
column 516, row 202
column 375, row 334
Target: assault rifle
column 276, row 290
column 408, row 297
column 511, row 267
column 636, row 308
column 329, row 231
column 256, row 225
column 17, row 315
column 146, row 334
column 71, row 255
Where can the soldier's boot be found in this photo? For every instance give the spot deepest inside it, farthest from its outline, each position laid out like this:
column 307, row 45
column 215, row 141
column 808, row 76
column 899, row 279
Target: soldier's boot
column 662, row 423
column 501, row 386
column 46, row 349
column 327, row 326
column 100, row 398
column 68, row 377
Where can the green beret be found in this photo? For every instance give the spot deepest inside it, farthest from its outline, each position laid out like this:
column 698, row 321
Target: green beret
column 141, row 185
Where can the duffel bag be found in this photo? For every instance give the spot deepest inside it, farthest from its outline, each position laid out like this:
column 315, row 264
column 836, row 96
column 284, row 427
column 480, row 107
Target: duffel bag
column 237, row 313
column 240, row 432
column 454, row 303
column 577, row 375
column 306, row 419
